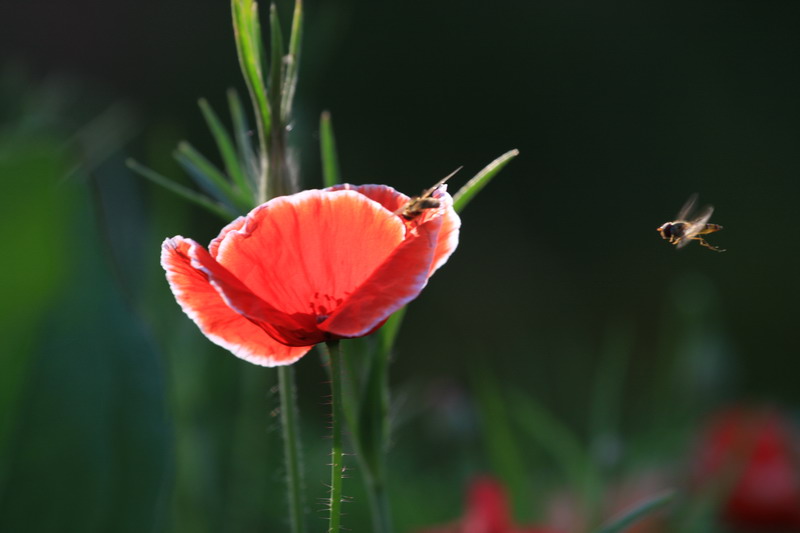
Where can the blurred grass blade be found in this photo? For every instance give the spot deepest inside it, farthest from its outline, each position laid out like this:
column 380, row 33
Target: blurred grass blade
column 208, row 176
column 224, row 212
column 503, row 448
column 388, row 333
column 642, row 510
column 558, row 441
column 330, row 158
column 275, row 84
column 227, row 151
column 248, row 47
column 481, row 179
column 292, row 63
column 609, row 383
column 241, row 131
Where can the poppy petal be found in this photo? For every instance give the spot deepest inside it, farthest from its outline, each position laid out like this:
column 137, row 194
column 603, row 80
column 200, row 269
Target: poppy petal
column 213, row 247
column 306, row 253
column 292, row 330
column 394, row 200
column 221, row 324
column 395, row 283
column 387, row 196
column 448, row 235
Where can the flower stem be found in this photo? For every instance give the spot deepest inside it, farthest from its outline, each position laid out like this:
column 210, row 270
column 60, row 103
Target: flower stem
column 291, row 447
column 337, row 466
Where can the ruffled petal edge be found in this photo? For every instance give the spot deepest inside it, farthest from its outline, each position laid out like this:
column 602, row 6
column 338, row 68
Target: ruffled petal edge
column 221, row 324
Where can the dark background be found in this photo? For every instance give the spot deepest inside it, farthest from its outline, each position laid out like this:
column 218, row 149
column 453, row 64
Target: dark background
column 620, row 111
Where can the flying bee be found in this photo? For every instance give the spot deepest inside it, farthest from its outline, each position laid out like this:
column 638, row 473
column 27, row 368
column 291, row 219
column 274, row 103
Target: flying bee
column 416, row 205
column 683, row 230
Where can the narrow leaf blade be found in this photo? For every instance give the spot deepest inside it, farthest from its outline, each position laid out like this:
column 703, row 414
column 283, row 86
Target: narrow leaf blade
column 247, row 33
column 227, row 151
column 503, row 447
column 481, row 180
column 558, row 441
column 242, row 133
column 388, row 333
column 621, row 524
column 292, row 62
column 330, row 158
column 223, row 212
column 206, row 174
column 275, row 83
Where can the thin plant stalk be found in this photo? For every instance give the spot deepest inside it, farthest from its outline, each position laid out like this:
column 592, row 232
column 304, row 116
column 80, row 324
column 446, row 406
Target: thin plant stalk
column 337, row 457
column 291, row 448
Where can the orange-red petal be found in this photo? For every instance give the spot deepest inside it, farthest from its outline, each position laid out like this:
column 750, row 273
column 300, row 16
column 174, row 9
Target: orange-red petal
column 398, row 281
column 305, row 254
column 394, row 200
column 221, row 324
column 291, row 330
column 448, row 234
column 387, row 196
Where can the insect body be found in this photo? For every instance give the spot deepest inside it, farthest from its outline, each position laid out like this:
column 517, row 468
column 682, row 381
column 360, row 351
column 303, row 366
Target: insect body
column 683, row 229
column 418, row 204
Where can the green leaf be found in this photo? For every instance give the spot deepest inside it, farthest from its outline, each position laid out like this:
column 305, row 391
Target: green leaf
column 388, row 333
column 241, row 130
column 609, row 382
column 222, row 211
column 503, row 448
column 39, row 196
column 330, row 158
column 98, row 392
column 248, row 47
column 292, row 63
column 558, row 441
column 209, row 176
column 275, row 83
column 227, row 151
column 642, row 510
column 481, row 179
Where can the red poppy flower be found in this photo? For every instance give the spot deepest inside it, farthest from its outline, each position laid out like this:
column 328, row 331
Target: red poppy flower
column 752, row 456
column 487, row 512
column 307, row 268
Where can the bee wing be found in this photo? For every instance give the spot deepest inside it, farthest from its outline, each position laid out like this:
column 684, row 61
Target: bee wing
column 696, row 225
column 683, row 214
column 441, row 182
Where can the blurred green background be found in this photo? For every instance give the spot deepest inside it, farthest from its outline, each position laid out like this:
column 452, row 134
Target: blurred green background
column 116, row 414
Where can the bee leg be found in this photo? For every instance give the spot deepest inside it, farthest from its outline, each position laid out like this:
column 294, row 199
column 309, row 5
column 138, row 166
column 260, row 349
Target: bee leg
column 705, row 243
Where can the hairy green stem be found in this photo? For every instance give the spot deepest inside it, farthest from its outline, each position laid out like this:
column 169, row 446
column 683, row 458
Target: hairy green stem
column 291, row 447
column 337, row 466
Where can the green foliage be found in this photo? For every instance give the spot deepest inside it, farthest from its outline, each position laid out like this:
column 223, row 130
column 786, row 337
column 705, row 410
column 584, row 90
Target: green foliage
column 481, row 180
column 642, row 510
column 85, row 426
column 233, row 160
column 327, row 145
column 502, row 446
column 223, row 211
column 247, row 32
column 36, row 230
column 251, row 175
column 560, row 443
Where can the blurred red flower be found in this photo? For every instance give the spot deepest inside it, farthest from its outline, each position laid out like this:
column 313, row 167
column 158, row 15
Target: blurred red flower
column 751, row 455
column 307, row 268
column 487, row 512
